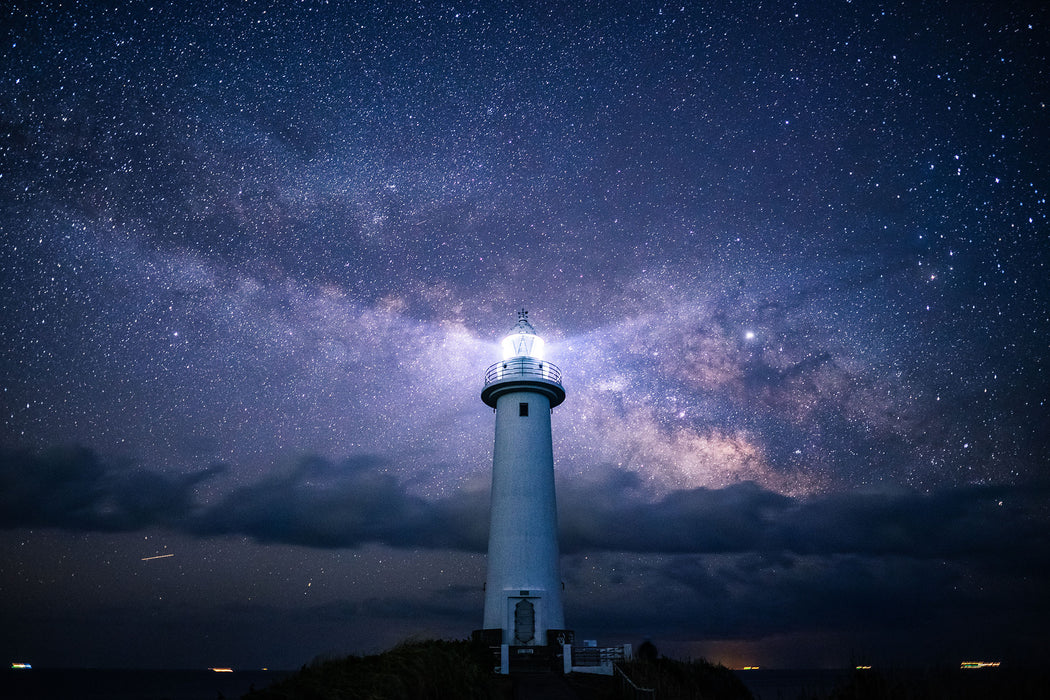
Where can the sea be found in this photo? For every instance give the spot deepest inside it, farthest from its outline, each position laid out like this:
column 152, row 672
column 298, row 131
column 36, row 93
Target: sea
column 792, row 684
column 987, row 683
column 109, row 684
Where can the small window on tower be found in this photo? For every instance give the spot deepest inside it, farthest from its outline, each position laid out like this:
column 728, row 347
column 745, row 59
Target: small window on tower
column 523, row 409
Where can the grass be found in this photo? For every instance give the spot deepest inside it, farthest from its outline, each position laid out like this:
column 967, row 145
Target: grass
column 415, row 670
column 435, row 670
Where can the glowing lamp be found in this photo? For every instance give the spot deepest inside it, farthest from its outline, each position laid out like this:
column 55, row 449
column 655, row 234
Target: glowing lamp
column 523, row 341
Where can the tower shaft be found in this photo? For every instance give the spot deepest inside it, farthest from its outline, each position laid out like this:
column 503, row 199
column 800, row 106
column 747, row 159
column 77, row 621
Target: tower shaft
column 523, row 586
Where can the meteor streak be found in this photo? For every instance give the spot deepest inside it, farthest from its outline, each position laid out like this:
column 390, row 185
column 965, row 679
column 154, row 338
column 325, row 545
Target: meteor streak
column 159, row 556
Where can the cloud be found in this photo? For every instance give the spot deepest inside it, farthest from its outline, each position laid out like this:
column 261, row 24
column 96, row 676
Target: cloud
column 1000, row 523
column 325, row 504
column 74, row 489
column 697, row 520
column 315, row 503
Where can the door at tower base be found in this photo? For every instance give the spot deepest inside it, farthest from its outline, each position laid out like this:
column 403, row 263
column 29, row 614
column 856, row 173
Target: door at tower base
column 525, row 616
column 524, row 622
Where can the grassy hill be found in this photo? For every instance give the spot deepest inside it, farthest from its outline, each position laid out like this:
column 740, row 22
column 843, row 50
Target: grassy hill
column 416, row 670
column 438, row 670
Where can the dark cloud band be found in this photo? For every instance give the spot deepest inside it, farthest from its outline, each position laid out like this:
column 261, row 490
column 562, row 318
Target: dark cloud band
column 324, row 504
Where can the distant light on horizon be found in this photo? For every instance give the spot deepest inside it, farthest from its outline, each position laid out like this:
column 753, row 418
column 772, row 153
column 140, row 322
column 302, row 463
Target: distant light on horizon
column 979, row 664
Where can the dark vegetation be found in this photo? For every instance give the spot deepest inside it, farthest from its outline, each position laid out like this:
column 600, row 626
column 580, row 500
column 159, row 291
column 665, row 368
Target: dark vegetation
column 417, row 670
column 461, row 670
column 436, row 670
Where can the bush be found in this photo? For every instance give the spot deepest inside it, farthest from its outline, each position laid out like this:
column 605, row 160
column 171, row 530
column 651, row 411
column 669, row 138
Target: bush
column 417, row 670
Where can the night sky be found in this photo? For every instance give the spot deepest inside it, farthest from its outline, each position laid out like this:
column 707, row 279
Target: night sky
column 793, row 260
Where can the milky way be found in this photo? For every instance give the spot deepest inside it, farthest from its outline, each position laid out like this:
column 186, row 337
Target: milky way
column 792, row 263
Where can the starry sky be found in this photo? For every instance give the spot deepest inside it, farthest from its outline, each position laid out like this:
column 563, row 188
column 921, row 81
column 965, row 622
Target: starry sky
column 791, row 258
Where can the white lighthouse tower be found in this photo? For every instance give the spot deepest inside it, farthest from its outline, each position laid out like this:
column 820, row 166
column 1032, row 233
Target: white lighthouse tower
column 523, row 588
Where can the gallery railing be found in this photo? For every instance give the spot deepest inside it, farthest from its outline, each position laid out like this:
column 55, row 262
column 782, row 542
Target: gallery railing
column 523, row 368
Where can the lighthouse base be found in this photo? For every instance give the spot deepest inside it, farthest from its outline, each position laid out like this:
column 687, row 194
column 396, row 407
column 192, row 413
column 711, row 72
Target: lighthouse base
column 508, row 659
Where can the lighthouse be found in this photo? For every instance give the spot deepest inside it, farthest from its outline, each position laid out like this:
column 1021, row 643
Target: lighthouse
column 523, row 587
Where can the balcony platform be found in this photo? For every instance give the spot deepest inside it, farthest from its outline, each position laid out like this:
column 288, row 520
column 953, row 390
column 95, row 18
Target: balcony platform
column 523, row 374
